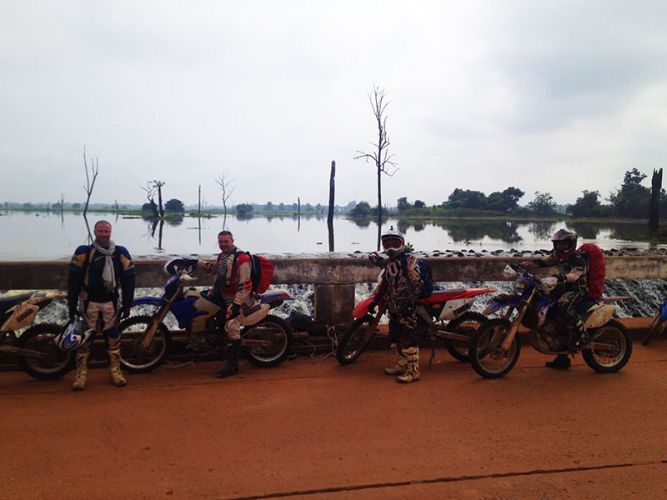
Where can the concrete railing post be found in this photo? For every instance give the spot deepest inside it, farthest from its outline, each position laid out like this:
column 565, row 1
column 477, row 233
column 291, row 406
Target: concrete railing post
column 334, row 303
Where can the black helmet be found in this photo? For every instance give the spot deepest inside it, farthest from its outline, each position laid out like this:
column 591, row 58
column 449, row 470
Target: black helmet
column 393, row 242
column 564, row 242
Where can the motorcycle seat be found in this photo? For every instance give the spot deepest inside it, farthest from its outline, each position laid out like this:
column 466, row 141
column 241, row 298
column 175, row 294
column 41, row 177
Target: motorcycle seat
column 7, row 303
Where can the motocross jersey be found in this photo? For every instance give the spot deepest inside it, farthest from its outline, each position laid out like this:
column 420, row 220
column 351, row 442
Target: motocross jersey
column 233, row 276
column 399, row 285
column 85, row 274
column 573, row 271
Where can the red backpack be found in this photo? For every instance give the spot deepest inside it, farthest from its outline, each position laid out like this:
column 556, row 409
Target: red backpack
column 261, row 272
column 596, row 269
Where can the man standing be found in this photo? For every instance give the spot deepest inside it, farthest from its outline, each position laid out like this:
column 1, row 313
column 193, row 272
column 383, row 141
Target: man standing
column 400, row 285
column 96, row 273
column 232, row 288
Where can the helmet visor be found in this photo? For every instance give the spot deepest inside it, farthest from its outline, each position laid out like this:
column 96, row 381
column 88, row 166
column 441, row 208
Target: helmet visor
column 392, row 243
column 562, row 246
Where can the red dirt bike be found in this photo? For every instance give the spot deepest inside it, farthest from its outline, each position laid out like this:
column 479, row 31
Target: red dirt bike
column 445, row 314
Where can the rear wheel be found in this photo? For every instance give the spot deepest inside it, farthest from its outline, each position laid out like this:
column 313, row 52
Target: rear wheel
column 467, row 324
column 486, row 355
column 50, row 362
column 136, row 358
column 610, row 349
column 355, row 340
column 278, row 338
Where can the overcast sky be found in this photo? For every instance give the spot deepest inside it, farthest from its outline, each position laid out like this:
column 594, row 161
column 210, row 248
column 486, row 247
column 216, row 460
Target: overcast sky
column 552, row 96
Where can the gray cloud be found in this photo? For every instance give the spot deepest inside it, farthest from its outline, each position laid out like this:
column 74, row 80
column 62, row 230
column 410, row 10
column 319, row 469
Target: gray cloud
column 483, row 95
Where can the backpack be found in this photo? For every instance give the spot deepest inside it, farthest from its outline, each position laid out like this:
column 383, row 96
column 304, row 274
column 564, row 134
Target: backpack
column 596, row 269
column 261, row 272
column 424, row 272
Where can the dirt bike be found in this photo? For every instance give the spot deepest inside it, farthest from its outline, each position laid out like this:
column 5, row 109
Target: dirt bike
column 146, row 340
column 445, row 314
column 38, row 355
column 495, row 347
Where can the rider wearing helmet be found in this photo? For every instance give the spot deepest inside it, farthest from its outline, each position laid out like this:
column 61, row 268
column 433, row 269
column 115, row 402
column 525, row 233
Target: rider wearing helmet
column 572, row 293
column 400, row 285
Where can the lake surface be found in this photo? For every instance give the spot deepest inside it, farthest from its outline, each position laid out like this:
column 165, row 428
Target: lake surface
column 39, row 236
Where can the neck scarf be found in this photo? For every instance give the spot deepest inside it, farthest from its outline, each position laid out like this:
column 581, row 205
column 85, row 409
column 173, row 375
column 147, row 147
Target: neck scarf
column 224, row 271
column 108, row 274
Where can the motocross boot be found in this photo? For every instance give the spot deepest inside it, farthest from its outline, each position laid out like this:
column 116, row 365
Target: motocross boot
column 560, row 362
column 116, row 376
column 412, row 373
column 401, row 365
column 232, row 366
column 79, row 383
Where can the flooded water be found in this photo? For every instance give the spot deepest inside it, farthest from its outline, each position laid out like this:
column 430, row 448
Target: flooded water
column 38, row 235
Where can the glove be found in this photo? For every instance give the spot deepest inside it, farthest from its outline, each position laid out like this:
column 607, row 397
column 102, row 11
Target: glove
column 372, row 307
column 233, row 311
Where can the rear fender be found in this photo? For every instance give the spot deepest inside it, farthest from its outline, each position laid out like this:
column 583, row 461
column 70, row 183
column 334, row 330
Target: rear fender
column 599, row 315
column 274, row 299
column 474, row 292
column 147, row 301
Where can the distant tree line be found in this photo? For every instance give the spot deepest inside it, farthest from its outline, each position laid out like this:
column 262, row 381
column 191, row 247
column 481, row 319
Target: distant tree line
column 630, row 200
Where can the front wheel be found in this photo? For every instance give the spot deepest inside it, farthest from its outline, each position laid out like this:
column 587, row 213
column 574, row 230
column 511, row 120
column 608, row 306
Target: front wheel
column 610, row 349
column 466, row 324
column 136, row 358
column 355, row 340
column 49, row 362
column 277, row 336
column 486, row 355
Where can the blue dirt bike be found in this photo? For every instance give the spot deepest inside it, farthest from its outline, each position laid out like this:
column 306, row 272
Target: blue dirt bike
column 146, row 341
column 495, row 347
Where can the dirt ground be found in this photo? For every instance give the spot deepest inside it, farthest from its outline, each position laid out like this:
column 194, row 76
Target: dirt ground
column 312, row 428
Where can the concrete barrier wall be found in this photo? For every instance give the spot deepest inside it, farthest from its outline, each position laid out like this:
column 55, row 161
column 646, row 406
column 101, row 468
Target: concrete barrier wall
column 334, row 278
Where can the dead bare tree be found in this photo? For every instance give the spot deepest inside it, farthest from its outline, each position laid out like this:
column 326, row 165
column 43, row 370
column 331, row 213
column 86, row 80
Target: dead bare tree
column 654, row 204
column 225, row 183
column 150, row 196
column 332, row 196
column 381, row 157
column 158, row 186
column 91, row 177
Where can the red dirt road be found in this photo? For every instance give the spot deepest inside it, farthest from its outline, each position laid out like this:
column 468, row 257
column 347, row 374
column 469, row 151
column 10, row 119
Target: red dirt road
column 315, row 429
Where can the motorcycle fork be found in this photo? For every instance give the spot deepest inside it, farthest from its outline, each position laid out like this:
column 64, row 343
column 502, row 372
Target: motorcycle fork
column 521, row 312
column 157, row 319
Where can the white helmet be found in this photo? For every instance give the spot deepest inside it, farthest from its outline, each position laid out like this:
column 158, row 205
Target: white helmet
column 393, row 242
column 74, row 336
